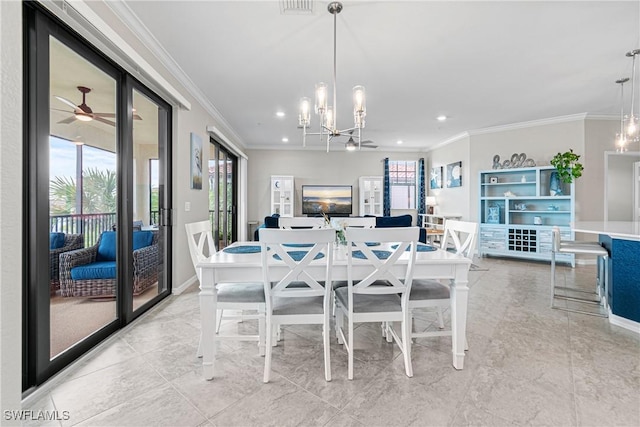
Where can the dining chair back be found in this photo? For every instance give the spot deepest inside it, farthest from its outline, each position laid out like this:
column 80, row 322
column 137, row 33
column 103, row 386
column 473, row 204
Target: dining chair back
column 230, row 296
column 361, row 222
column 293, row 295
column 459, row 237
column 301, row 222
column 382, row 295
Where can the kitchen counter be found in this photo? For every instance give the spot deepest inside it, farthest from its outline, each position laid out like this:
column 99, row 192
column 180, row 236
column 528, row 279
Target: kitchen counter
column 622, row 240
column 616, row 229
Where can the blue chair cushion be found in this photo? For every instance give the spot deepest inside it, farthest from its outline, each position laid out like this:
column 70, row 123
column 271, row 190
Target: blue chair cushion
column 142, row 239
column 56, row 240
column 394, row 221
column 107, row 247
column 95, row 270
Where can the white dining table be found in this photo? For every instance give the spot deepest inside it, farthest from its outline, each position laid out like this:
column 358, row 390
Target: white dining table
column 225, row 267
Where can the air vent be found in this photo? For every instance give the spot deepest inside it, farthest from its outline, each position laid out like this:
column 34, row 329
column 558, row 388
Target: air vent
column 296, row 7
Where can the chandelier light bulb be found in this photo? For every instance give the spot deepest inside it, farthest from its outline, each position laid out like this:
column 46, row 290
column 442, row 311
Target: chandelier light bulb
column 359, row 101
column 304, row 116
column 321, row 98
column 632, row 127
column 328, row 118
column 621, row 143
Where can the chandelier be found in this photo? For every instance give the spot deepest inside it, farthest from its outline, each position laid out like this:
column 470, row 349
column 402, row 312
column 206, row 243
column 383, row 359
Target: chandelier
column 328, row 114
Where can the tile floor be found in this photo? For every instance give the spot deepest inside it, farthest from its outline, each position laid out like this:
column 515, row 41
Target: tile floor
column 526, row 365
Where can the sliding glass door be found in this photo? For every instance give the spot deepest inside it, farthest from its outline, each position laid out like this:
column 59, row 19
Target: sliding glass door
column 223, row 177
column 97, row 240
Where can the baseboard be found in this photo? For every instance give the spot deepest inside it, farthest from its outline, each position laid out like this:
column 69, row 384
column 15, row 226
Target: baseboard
column 624, row 323
column 180, row 289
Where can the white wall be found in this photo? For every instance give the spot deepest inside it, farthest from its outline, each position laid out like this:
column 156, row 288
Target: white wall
column 453, row 200
column 312, row 167
column 10, row 207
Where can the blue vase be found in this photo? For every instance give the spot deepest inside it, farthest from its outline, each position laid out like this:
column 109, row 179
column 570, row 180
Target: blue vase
column 555, row 185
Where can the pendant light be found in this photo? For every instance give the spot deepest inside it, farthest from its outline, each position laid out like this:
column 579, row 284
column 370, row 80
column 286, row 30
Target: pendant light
column 621, row 138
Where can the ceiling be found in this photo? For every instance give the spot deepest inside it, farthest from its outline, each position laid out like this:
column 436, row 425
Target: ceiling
column 482, row 64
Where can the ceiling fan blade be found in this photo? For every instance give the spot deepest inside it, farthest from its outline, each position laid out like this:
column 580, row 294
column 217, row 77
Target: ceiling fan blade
column 62, row 111
column 369, row 146
column 66, row 101
column 68, row 120
column 101, row 120
column 135, row 116
column 368, row 141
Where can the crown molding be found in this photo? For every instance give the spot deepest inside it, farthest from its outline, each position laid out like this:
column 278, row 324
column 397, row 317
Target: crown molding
column 529, row 124
column 133, row 23
column 602, row 117
column 523, row 125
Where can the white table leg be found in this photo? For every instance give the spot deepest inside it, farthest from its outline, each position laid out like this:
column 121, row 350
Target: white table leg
column 208, row 306
column 459, row 298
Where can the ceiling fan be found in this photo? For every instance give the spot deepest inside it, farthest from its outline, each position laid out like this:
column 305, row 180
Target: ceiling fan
column 352, row 145
column 84, row 113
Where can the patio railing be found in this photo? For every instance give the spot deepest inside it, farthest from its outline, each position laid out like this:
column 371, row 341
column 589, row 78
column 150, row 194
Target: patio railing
column 91, row 225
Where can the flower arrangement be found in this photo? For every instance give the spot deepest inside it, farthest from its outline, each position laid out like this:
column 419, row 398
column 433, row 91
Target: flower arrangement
column 334, row 223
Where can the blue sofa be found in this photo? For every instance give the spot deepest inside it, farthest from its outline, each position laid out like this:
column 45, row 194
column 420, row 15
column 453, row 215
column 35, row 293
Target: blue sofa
column 381, row 221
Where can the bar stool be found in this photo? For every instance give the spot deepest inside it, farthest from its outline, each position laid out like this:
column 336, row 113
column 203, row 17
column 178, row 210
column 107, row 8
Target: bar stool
column 597, row 297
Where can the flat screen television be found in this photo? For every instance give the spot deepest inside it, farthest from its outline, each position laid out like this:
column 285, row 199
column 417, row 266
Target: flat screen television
column 329, row 199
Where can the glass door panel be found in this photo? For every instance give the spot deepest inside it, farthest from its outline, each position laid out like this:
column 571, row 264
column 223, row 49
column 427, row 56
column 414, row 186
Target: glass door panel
column 82, row 198
column 147, row 280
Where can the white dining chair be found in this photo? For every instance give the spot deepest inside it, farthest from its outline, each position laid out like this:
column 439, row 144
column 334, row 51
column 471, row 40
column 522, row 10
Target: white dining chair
column 295, row 297
column 459, row 237
column 230, row 296
column 383, row 294
column 301, row 222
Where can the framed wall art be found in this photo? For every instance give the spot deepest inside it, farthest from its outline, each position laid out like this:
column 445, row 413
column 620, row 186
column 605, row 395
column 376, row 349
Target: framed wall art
column 454, row 175
column 196, row 162
column 436, row 178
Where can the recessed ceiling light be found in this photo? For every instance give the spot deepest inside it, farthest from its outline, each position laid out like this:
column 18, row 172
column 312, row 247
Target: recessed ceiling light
column 285, row 139
column 441, row 118
column 280, row 113
column 399, row 142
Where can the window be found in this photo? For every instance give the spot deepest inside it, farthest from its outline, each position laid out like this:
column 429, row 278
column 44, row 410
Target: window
column 402, row 180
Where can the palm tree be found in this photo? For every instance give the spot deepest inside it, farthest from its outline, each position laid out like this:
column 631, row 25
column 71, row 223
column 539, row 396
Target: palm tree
column 98, row 195
column 62, row 195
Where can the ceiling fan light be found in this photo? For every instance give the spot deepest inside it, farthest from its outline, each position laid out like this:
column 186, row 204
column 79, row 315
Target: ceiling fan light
column 83, row 117
column 350, row 145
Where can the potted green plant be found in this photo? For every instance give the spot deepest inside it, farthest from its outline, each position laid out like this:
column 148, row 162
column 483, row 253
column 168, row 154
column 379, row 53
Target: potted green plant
column 567, row 165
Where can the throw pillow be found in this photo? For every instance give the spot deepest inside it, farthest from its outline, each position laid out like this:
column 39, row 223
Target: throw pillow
column 56, row 240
